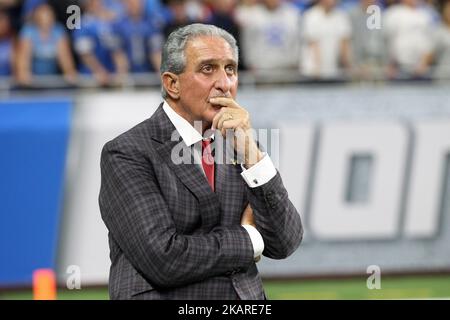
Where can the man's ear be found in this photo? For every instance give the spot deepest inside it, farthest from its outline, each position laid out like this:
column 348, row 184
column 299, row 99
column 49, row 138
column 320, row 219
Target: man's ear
column 171, row 84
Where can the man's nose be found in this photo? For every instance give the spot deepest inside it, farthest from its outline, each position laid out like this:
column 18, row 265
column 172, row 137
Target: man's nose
column 223, row 82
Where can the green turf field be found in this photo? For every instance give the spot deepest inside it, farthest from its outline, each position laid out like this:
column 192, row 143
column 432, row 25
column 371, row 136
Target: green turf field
column 423, row 287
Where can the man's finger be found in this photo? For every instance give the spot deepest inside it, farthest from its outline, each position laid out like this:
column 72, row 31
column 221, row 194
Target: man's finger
column 226, row 117
column 225, row 102
column 217, row 117
column 230, row 124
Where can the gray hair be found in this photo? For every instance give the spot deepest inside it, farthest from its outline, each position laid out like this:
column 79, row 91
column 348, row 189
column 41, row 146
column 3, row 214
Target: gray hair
column 173, row 54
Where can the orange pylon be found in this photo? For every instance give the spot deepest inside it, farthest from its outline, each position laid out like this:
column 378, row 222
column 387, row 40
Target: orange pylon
column 44, row 284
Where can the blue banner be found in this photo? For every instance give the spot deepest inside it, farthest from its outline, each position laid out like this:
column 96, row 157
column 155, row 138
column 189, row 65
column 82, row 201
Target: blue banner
column 33, row 145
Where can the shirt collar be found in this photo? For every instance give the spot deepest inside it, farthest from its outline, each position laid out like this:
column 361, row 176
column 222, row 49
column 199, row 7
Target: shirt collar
column 187, row 132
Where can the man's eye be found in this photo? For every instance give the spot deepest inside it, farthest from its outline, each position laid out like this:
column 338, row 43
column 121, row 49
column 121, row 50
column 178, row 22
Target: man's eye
column 230, row 69
column 207, row 69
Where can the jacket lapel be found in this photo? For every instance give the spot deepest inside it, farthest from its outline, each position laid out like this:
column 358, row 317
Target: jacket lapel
column 189, row 174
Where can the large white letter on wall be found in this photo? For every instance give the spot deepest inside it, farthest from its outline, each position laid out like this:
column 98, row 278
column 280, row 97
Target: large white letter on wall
column 333, row 216
column 431, row 147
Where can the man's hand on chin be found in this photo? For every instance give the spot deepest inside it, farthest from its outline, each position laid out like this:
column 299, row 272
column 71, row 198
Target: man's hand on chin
column 233, row 117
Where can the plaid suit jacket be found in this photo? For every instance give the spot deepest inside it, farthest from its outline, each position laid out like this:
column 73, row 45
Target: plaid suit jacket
column 171, row 236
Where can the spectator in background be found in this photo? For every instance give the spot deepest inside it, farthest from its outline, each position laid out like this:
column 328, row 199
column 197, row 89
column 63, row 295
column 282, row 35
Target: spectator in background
column 270, row 35
column 407, row 28
column 222, row 16
column 388, row 3
column 432, row 7
column 13, row 8
column 155, row 11
column 176, row 16
column 197, row 10
column 8, row 3
column 326, row 42
column 43, row 47
column 97, row 46
column 367, row 44
column 442, row 44
column 244, row 8
column 115, row 7
column 139, row 38
column 302, row 5
column 7, row 46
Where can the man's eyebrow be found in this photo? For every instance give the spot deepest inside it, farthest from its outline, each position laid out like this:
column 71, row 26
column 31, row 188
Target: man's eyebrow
column 216, row 61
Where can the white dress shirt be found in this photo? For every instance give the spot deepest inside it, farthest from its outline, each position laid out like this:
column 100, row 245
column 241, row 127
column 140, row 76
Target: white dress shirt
column 256, row 176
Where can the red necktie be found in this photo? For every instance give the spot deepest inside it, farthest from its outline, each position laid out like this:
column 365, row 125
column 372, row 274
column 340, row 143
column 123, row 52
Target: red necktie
column 208, row 162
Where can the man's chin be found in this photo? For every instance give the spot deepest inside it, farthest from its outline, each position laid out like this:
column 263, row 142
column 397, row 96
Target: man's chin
column 210, row 114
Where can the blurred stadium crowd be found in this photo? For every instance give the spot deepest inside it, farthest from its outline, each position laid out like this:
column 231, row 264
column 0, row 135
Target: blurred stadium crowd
column 313, row 40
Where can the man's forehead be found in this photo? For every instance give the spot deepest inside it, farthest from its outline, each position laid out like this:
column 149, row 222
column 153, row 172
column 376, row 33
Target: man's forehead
column 211, row 48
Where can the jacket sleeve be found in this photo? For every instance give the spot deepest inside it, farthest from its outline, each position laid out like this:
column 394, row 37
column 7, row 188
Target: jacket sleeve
column 139, row 220
column 276, row 218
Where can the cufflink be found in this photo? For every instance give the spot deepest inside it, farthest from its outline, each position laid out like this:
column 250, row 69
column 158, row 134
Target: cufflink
column 257, row 259
column 255, row 181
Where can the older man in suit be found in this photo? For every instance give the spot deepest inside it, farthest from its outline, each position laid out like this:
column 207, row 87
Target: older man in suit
column 193, row 229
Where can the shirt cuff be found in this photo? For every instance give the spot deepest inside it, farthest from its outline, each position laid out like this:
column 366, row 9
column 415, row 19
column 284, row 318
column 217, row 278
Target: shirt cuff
column 260, row 173
column 257, row 240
